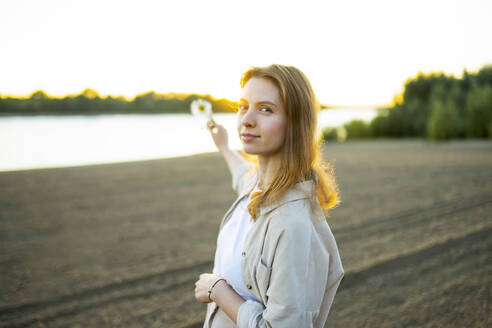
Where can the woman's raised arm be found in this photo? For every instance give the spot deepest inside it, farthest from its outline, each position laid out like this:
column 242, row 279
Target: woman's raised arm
column 219, row 134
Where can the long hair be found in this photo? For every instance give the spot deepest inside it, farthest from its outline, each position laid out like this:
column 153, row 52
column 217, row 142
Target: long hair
column 301, row 152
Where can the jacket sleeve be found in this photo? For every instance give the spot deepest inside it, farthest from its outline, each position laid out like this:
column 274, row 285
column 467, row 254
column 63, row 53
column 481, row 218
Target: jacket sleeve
column 239, row 177
column 298, row 280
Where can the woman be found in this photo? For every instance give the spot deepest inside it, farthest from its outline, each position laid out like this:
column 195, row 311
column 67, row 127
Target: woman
column 277, row 262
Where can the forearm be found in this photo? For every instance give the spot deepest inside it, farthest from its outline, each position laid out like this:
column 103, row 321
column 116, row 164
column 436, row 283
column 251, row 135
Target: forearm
column 233, row 159
column 227, row 299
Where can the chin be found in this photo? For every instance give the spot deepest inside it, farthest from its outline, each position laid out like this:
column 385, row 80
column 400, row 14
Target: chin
column 250, row 150
column 259, row 152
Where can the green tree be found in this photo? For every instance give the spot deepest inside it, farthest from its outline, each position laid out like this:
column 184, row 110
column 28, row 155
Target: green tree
column 379, row 126
column 444, row 121
column 329, row 134
column 357, row 129
column 484, row 75
column 90, row 93
column 478, row 115
column 39, row 94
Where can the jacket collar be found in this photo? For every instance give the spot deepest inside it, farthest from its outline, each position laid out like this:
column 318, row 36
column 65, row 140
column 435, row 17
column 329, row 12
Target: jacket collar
column 301, row 190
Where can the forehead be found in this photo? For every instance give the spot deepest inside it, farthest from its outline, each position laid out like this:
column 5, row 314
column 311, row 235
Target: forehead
column 260, row 89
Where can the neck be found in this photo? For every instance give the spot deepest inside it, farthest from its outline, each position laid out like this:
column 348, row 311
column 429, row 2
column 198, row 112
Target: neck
column 267, row 167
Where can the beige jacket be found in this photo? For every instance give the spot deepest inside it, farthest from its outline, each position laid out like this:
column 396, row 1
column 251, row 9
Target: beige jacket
column 290, row 262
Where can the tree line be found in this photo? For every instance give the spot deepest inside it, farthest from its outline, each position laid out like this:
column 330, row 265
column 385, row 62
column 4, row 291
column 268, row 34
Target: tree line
column 432, row 106
column 90, row 102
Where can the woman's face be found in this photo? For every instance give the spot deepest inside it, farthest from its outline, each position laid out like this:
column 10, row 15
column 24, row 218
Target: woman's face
column 262, row 120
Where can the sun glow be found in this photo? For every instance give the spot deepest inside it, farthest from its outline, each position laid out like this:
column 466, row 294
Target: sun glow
column 352, row 57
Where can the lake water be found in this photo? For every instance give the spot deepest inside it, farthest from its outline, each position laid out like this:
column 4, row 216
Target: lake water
column 56, row 141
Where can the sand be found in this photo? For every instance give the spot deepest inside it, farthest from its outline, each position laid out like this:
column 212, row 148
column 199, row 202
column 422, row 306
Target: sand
column 121, row 245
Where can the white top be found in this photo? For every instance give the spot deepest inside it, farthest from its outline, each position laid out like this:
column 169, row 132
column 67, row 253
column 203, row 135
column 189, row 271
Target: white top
column 230, row 247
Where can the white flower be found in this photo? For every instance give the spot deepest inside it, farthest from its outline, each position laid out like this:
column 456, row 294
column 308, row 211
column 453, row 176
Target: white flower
column 202, row 109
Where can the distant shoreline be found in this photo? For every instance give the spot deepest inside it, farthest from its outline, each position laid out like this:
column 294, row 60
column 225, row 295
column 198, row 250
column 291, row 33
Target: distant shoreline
column 10, row 114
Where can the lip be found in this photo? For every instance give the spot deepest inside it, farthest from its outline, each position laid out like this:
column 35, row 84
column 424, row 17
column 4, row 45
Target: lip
column 246, row 137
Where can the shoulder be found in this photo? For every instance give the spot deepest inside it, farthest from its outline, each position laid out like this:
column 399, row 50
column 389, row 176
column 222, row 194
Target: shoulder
column 295, row 212
column 299, row 223
column 294, row 219
column 296, row 209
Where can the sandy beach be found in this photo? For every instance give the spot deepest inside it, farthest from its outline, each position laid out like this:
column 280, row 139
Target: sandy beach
column 121, row 245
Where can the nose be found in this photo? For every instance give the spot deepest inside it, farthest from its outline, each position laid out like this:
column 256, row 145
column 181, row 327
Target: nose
column 247, row 119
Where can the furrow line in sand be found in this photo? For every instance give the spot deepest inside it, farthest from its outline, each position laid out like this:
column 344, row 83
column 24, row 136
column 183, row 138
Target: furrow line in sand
column 26, row 314
column 413, row 216
column 49, row 315
column 403, row 261
column 359, row 193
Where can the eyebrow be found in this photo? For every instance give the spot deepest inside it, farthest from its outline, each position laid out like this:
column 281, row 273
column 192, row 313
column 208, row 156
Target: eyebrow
column 259, row 102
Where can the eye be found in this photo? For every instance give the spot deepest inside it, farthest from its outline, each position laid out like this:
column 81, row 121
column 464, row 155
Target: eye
column 265, row 109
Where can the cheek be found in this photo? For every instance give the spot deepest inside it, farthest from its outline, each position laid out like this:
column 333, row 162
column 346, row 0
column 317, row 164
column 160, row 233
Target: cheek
column 277, row 130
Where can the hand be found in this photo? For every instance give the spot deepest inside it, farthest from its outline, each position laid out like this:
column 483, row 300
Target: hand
column 219, row 135
column 203, row 285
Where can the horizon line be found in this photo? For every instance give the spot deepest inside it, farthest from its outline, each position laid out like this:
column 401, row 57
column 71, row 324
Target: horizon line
column 27, row 96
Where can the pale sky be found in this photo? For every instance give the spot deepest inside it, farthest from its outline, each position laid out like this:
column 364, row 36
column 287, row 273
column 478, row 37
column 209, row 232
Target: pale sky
column 354, row 52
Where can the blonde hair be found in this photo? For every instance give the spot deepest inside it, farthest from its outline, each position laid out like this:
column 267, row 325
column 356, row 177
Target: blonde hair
column 301, row 153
